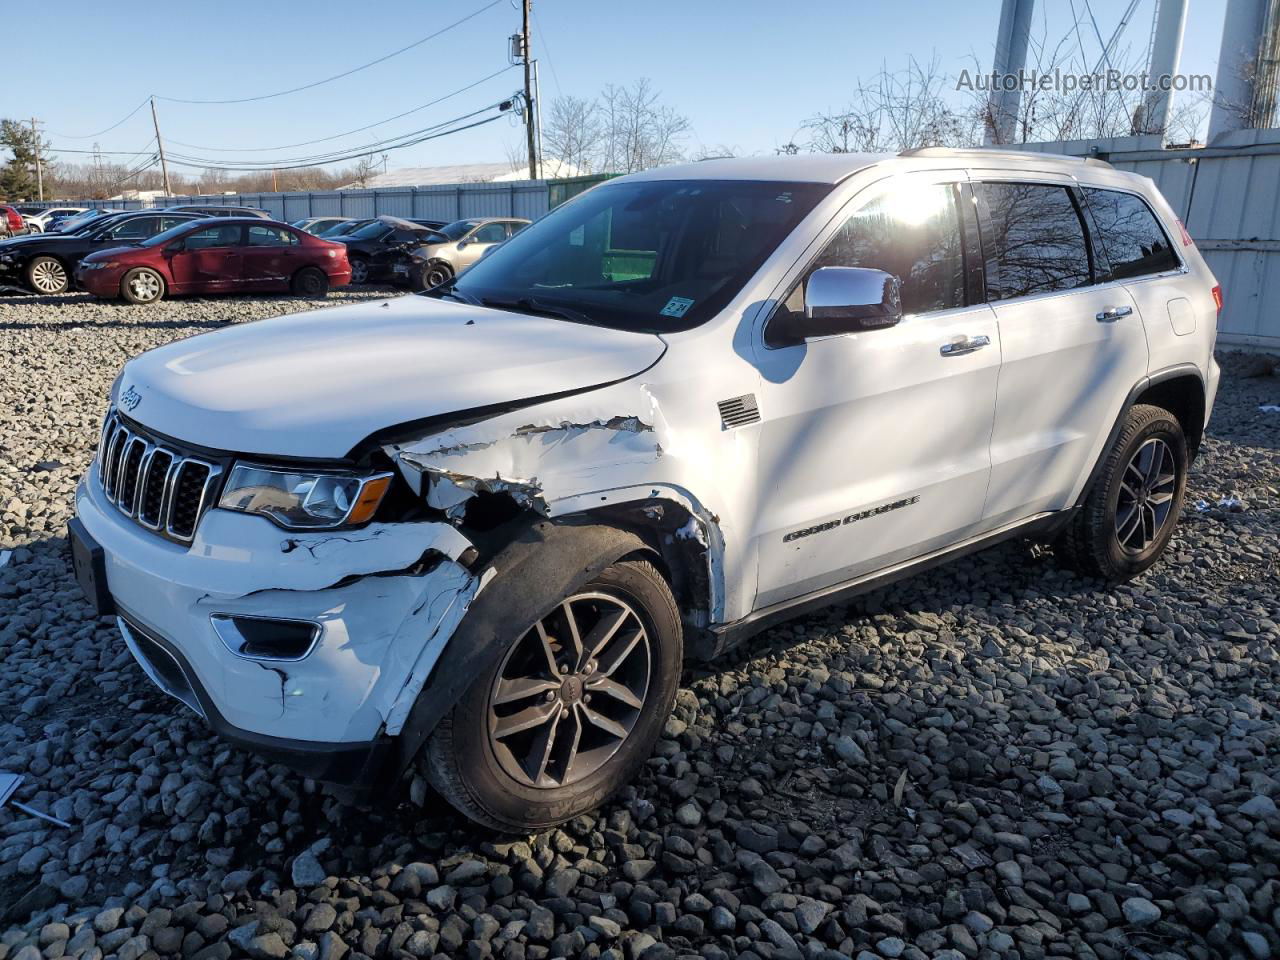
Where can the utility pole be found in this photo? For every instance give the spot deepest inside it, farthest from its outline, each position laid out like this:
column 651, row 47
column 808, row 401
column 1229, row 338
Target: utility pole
column 35, row 142
column 164, row 167
column 530, row 103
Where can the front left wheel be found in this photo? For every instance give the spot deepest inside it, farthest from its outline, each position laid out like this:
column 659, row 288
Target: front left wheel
column 48, row 275
column 570, row 711
column 142, row 285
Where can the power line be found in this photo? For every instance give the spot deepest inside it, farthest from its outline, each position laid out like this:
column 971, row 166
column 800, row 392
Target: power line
column 354, row 156
column 338, row 136
column 90, row 136
column 346, row 73
column 345, row 151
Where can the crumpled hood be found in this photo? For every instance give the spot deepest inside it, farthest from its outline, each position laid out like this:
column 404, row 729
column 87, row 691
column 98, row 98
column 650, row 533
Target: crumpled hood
column 315, row 384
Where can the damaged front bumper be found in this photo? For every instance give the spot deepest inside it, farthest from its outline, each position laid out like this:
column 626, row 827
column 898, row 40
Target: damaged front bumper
column 384, row 601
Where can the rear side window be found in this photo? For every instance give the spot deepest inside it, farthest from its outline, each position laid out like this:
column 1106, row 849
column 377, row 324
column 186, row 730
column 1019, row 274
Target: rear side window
column 1034, row 242
column 270, row 237
column 1130, row 234
column 912, row 232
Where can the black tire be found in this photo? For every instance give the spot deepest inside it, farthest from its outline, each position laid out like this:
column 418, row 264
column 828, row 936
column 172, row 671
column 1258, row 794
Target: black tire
column 461, row 761
column 48, row 276
column 432, row 274
column 359, row 270
column 1094, row 542
column 142, row 285
column 310, row 282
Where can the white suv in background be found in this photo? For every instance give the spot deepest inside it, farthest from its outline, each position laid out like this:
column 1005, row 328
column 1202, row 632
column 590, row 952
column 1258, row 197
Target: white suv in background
column 478, row 530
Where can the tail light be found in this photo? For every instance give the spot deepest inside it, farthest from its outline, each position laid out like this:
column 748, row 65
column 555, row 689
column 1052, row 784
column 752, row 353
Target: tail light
column 1186, row 237
column 1217, row 297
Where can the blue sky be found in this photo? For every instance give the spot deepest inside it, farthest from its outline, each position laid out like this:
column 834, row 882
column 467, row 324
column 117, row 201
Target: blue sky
column 746, row 73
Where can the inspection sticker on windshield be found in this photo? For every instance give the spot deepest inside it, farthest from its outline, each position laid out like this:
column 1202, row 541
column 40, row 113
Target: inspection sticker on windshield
column 676, row 307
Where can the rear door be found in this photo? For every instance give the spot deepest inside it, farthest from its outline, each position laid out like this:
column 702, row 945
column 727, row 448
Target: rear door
column 1072, row 348
column 209, row 260
column 874, row 445
column 270, row 257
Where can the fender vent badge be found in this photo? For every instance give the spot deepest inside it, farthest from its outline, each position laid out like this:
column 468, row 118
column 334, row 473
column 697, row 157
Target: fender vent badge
column 739, row 411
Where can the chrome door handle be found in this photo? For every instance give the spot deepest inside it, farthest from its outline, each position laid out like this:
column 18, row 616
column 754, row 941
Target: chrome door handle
column 962, row 345
column 1112, row 314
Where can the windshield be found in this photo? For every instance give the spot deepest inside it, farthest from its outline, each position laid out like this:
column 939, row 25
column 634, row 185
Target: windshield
column 370, row 231
column 654, row 255
column 456, row 230
column 340, row 229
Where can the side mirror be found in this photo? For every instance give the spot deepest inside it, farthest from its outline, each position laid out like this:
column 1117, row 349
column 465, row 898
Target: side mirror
column 842, row 300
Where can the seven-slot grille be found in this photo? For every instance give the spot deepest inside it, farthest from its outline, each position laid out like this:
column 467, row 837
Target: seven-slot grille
column 160, row 487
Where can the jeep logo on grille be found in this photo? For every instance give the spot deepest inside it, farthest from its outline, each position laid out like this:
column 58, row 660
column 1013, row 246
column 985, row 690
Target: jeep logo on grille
column 130, row 398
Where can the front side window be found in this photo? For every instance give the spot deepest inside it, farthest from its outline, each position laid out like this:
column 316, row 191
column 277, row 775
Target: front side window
column 911, row 231
column 1035, row 241
column 270, row 237
column 650, row 255
column 1130, row 234
column 139, row 228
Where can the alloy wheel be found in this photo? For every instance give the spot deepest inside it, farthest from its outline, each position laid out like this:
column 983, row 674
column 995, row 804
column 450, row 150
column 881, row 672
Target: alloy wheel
column 49, row 276
column 359, row 271
column 1147, row 489
column 570, row 691
column 145, row 286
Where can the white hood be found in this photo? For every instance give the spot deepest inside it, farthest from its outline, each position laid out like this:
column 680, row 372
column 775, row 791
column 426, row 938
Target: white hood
column 315, row 384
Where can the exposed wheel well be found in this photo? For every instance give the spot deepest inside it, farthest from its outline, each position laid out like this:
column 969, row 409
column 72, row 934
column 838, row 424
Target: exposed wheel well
column 1183, row 396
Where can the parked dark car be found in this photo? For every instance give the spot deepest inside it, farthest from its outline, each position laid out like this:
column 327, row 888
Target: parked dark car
column 46, row 262
column 243, row 255
column 11, row 222
column 346, row 228
column 213, row 210
column 375, row 247
column 318, row 226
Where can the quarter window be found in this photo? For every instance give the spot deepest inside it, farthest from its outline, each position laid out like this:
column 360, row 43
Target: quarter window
column 1130, row 235
column 490, row 233
column 912, row 232
column 1035, row 241
column 137, row 229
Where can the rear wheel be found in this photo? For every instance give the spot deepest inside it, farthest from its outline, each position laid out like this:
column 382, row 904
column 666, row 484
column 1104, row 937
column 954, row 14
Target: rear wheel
column 359, row 270
column 142, row 285
column 1130, row 514
column 47, row 275
column 570, row 711
column 310, row 282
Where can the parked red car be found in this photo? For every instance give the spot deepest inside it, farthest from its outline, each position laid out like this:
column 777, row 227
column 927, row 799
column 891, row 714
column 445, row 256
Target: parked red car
column 229, row 255
column 11, row 222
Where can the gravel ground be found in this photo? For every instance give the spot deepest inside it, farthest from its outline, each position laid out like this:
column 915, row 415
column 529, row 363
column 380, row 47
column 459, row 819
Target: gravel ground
column 997, row 758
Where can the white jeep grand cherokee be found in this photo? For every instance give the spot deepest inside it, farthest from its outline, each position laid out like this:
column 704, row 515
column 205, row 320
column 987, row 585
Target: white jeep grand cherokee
column 478, row 530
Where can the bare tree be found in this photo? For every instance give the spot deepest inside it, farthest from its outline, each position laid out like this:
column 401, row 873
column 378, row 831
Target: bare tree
column 571, row 132
column 893, row 110
column 366, row 168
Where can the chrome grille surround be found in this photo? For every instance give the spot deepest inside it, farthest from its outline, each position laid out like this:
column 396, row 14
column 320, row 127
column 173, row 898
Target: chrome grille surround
column 154, row 483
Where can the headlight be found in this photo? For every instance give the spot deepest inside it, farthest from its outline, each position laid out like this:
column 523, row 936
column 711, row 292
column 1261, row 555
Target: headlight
column 99, row 264
column 304, row 500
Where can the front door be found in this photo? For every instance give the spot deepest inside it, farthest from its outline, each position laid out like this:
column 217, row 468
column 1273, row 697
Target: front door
column 1073, row 349
column 209, row 260
column 874, row 445
column 481, row 239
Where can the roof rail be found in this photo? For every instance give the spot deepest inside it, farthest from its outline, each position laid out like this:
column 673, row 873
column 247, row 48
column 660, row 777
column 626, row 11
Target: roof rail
column 982, row 152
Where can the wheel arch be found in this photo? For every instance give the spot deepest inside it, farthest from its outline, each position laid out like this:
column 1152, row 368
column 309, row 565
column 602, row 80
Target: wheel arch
column 546, row 558
column 1180, row 390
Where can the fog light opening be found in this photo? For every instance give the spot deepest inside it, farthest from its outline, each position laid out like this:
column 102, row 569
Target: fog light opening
column 266, row 638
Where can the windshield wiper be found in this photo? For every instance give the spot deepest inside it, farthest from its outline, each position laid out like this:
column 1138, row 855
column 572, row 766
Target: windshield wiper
column 446, row 290
column 532, row 305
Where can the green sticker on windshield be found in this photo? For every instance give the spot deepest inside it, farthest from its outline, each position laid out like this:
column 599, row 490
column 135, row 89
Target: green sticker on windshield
column 676, row 307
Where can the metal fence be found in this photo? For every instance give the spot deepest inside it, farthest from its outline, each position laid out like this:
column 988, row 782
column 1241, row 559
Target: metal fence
column 517, row 198
column 1228, row 195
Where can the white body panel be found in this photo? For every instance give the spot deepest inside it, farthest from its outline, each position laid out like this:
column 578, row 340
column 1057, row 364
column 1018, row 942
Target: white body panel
column 847, row 424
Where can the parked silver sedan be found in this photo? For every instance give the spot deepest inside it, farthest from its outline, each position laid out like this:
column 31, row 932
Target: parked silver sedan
column 453, row 248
